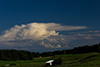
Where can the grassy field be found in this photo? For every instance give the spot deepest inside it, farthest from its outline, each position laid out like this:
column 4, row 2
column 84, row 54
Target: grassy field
column 70, row 60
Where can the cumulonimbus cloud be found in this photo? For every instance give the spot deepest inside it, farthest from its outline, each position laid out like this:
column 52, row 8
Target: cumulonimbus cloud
column 36, row 32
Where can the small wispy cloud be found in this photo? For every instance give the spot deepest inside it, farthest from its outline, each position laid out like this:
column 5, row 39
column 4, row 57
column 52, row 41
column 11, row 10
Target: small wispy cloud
column 59, row 27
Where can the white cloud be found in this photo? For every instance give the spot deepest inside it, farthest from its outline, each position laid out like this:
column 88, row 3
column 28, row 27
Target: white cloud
column 36, row 31
column 44, row 34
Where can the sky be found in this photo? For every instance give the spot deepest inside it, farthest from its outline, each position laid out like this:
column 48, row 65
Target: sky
column 48, row 25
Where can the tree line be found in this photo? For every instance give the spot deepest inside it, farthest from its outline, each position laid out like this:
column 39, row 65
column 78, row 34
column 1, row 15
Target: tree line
column 13, row 55
column 76, row 50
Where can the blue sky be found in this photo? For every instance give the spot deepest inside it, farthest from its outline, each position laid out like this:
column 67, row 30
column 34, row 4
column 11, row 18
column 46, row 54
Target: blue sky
column 64, row 12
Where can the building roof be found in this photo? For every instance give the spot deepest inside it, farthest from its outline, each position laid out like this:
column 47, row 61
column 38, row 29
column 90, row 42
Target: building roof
column 49, row 61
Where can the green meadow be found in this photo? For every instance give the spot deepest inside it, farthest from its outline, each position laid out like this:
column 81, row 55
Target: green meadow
column 68, row 60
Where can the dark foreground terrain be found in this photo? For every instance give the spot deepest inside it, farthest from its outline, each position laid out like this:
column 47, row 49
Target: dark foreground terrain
column 68, row 60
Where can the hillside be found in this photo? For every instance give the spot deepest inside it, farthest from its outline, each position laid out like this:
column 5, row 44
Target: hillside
column 70, row 60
